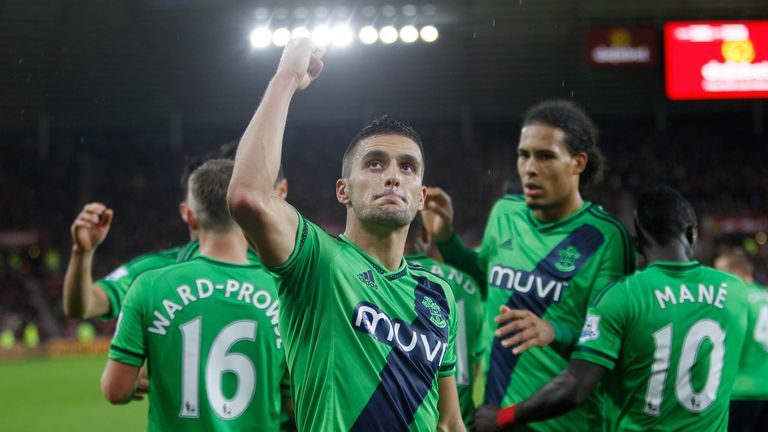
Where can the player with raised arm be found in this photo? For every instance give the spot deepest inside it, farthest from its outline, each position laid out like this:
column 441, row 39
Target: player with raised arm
column 544, row 255
column 369, row 339
column 667, row 338
column 749, row 397
column 207, row 327
column 469, row 301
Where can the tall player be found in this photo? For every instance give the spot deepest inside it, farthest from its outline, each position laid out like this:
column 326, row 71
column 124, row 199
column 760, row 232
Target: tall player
column 83, row 298
column 469, row 301
column 749, row 400
column 208, row 328
column 544, row 256
column 369, row 340
column 669, row 338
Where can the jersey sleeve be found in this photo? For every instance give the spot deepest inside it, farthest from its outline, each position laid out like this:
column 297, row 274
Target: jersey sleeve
column 129, row 343
column 115, row 286
column 600, row 341
column 448, row 366
column 297, row 276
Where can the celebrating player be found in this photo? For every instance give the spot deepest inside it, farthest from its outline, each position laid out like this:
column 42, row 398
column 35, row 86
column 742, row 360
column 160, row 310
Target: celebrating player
column 208, row 328
column 671, row 334
column 469, row 301
column 369, row 340
column 544, row 256
column 749, row 397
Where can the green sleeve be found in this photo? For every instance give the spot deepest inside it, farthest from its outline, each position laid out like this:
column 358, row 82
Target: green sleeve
column 600, row 341
column 128, row 343
column 297, row 275
column 115, row 286
column 448, row 366
column 457, row 254
column 618, row 260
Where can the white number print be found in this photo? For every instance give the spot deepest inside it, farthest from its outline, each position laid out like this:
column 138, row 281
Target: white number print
column 761, row 328
column 684, row 391
column 219, row 362
column 462, row 354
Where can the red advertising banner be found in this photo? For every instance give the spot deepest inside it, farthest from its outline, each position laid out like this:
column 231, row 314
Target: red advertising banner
column 621, row 46
column 716, row 60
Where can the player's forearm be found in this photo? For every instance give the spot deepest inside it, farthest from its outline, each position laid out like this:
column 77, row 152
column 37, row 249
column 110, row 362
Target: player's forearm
column 78, row 285
column 455, row 253
column 558, row 397
column 259, row 153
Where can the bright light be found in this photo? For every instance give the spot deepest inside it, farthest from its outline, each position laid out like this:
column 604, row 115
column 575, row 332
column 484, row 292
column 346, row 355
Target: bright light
column 342, row 35
column 368, row 35
column 300, row 32
column 409, row 34
column 429, row 33
column 388, row 34
column 261, row 37
column 321, row 36
column 281, row 37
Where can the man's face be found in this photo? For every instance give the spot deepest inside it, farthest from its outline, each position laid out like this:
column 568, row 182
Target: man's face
column 548, row 172
column 384, row 186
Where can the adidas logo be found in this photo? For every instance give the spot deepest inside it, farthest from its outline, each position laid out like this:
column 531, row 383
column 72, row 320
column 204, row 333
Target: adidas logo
column 507, row 244
column 367, row 278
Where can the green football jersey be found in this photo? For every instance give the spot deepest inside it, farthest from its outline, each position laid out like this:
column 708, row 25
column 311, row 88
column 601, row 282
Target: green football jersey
column 469, row 347
column 552, row 270
column 365, row 346
column 209, row 331
column 116, row 284
column 673, row 334
column 752, row 379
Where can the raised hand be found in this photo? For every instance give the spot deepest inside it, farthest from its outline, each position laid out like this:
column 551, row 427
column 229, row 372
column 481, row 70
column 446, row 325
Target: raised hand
column 437, row 215
column 301, row 62
column 91, row 226
column 526, row 328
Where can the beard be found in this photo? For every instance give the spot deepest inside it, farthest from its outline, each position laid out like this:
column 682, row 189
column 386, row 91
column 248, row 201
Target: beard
column 388, row 218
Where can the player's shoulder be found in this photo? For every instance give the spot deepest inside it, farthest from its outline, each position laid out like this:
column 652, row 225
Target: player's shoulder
column 604, row 221
column 152, row 260
column 618, row 287
column 509, row 203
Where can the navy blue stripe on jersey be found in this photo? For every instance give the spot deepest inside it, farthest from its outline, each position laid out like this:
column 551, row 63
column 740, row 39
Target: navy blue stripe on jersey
column 626, row 238
column 536, row 291
column 408, row 375
column 127, row 352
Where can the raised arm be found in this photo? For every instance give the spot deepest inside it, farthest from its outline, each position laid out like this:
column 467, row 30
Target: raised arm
column 268, row 222
column 82, row 298
column 564, row 393
column 438, row 220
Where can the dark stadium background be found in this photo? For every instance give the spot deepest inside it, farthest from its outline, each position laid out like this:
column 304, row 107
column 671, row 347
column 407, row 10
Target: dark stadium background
column 103, row 100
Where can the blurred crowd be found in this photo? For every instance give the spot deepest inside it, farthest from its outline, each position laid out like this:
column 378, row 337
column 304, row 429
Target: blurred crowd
column 45, row 182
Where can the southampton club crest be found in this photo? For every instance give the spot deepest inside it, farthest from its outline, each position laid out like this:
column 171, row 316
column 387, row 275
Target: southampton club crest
column 434, row 309
column 568, row 257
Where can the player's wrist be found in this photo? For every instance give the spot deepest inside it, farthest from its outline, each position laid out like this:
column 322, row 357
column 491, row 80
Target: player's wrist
column 506, row 416
column 286, row 79
column 81, row 251
column 445, row 235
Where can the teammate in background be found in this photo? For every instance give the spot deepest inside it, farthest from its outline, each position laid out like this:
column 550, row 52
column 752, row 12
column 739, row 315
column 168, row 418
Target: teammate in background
column 662, row 333
column 469, row 301
column 369, row 340
column 84, row 299
column 208, row 328
column 544, row 255
column 749, row 397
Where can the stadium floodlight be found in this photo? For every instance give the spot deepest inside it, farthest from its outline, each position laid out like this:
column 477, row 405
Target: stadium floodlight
column 321, row 35
column 281, row 37
column 342, row 35
column 261, row 37
column 300, row 32
column 388, row 34
column 409, row 34
column 368, row 35
column 429, row 33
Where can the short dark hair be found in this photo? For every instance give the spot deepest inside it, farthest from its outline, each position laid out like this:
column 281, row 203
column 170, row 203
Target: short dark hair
column 208, row 186
column 664, row 213
column 228, row 150
column 191, row 163
column 580, row 133
column 383, row 125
